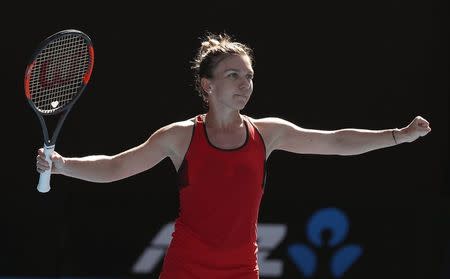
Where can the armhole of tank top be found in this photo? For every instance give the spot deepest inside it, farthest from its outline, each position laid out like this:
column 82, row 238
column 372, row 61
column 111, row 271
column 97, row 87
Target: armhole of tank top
column 264, row 145
column 183, row 162
column 259, row 134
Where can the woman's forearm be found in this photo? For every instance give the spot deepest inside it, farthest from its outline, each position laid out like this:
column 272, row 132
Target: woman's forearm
column 358, row 141
column 94, row 168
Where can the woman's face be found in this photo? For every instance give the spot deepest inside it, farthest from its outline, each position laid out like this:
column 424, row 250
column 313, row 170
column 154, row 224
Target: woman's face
column 232, row 83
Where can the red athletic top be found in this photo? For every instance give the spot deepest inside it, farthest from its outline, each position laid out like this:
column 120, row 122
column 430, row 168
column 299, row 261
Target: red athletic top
column 220, row 193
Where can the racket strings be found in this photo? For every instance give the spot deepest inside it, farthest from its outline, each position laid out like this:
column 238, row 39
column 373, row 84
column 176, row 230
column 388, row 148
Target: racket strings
column 58, row 73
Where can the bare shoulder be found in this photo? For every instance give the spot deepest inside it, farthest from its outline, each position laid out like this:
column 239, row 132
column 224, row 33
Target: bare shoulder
column 268, row 123
column 177, row 130
column 181, row 125
column 266, row 120
column 269, row 128
column 175, row 138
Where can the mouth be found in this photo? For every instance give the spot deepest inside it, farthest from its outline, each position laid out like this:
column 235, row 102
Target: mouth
column 242, row 96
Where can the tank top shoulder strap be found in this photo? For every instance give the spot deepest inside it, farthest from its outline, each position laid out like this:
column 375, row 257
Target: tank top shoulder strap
column 250, row 126
column 199, row 118
column 254, row 131
column 198, row 133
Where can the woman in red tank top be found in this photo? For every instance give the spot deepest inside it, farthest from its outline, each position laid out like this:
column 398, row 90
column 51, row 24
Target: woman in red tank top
column 220, row 158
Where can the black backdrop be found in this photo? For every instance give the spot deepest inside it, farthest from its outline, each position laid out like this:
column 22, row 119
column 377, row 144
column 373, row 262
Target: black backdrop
column 321, row 65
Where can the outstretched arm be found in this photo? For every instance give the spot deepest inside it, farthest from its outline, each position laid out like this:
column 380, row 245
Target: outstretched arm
column 103, row 168
column 283, row 135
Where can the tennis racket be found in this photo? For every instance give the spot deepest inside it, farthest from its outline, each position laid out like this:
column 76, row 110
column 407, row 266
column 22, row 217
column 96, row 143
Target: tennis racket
column 55, row 77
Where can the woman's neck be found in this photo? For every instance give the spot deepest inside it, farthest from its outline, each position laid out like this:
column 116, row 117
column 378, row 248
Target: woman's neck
column 223, row 121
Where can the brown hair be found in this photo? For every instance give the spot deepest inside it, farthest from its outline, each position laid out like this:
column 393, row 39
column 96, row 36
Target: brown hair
column 214, row 48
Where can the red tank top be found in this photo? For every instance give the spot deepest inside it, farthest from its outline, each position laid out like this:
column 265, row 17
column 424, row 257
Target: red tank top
column 220, row 195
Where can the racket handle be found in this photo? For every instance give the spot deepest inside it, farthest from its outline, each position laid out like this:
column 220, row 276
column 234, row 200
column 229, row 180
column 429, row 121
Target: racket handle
column 44, row 178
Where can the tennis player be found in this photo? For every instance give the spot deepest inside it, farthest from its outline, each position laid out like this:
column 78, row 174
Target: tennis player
column 220, row 157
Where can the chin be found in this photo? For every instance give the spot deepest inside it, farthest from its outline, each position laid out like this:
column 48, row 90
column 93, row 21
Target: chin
column 240, row 105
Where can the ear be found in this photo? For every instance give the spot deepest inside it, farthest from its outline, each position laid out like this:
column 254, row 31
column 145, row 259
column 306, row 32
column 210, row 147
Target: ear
column 206, row 85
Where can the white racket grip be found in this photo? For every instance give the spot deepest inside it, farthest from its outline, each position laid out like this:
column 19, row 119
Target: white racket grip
column 44, row 178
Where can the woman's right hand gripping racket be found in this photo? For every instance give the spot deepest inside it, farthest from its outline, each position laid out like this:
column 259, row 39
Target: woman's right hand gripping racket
column 57, row 74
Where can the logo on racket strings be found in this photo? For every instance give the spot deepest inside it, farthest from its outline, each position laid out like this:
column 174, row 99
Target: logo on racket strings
column 60, row 74
column 54, row 104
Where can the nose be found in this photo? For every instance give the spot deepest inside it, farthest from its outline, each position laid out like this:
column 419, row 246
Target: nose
column 246, row 83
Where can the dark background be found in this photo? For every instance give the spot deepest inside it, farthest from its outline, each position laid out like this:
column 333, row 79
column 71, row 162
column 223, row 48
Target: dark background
column 322, row 65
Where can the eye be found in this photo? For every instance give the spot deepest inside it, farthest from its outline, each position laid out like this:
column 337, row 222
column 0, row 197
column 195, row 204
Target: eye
column 249, row 76
column 233, row 75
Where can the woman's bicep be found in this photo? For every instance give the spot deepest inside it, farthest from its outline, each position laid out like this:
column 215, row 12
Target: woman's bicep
column 293, row 138
column 143, row 156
